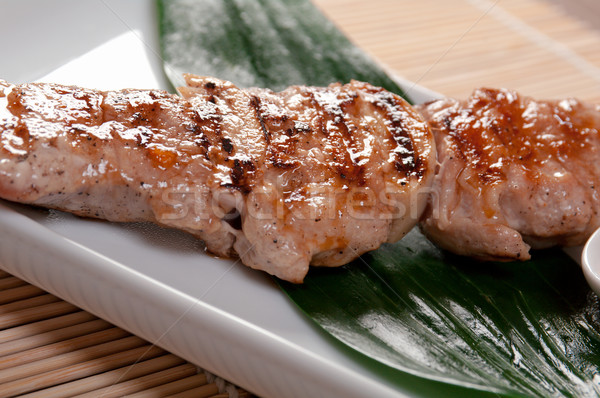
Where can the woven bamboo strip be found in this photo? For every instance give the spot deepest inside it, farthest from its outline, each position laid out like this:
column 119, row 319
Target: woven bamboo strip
column 208, row 390
column 19, row 293
column 62, row 347
column 8, row 282
column 69, row 358
column 33, row 314
column 36, row 328
column 140, row 384
column 79, row 370
column 159, row 370
column 77, row 353
column 190, row 394
column 28, row 303
column 190, row 382
column 241, row 394
column 52, row 337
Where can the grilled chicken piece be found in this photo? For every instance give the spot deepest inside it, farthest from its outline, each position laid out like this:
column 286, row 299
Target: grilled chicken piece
column 514, row 173
column 282, row 180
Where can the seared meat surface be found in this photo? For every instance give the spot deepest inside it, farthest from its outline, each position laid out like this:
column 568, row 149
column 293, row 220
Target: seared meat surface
column 282, row 180
column 514, row 173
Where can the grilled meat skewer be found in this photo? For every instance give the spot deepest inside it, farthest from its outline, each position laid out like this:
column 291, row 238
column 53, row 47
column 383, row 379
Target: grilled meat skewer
column 514, row 173
column 310, row 175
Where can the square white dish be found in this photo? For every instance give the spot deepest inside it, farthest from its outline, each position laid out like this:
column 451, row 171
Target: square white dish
column 157, row 283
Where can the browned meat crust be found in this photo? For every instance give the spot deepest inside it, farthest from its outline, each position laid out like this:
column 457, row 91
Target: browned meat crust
column 513, row 173
column 309, row 175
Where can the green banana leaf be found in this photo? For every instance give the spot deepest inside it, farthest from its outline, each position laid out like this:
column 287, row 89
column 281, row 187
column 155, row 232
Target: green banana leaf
column 270, row 43
column 512, row 329
column 530, row 328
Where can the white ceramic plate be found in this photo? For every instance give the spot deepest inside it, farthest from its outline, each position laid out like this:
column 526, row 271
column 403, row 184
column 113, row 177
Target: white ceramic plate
column 156, row 283
column 590, row 261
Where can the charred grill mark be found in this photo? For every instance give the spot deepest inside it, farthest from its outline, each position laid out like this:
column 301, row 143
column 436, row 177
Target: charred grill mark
column 454, row 133
column 255, row 102
column 281, row 154
column 347, row 106
column 211, row 88
column 447, row 121
column 200, row 138
column 281, row 149
column 457, row 134
column 407, row 160
column 283, row 164
column 470, row 142
column 492, row 133
column 211, row 122
column 335, row 112
column 241, row 175
column 205, row 126
column 275, row 123
column 227, row 145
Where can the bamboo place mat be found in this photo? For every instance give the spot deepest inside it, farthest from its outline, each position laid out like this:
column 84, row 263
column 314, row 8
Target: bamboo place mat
column 453, row 47
column 51, row 348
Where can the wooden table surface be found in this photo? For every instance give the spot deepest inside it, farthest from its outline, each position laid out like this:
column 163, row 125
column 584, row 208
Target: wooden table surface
column 546, row 49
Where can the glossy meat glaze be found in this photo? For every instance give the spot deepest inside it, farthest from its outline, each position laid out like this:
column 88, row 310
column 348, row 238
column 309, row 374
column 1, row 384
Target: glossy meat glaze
column 513, row 173
column 283, row 180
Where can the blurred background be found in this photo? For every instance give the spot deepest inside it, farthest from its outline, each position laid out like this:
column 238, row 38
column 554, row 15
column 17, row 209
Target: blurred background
column 543, row 48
